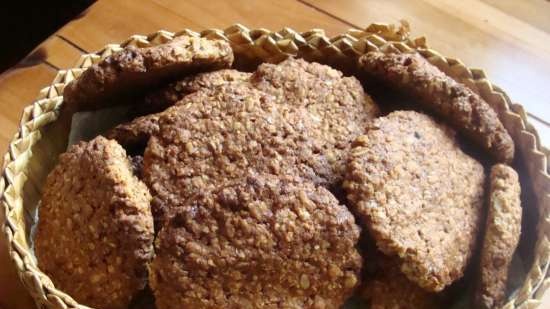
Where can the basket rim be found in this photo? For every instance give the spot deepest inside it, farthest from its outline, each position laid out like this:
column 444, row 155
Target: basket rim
column 354, row 42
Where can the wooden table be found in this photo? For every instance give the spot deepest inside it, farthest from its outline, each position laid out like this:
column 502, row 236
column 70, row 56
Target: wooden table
column 510, row 39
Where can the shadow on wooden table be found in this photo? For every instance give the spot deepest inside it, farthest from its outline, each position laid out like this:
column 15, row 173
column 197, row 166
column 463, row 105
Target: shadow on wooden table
column 30, row 23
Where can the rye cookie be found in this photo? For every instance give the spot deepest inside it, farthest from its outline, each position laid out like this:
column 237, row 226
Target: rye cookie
column 95, row 231
column 502, row 232
column 260, row 242
column 419, row 195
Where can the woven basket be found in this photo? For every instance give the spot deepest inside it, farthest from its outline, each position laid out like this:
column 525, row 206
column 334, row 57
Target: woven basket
column 42, row 137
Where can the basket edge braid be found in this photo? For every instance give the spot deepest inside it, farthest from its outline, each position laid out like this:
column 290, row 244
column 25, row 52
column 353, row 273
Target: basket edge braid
column 274, row 46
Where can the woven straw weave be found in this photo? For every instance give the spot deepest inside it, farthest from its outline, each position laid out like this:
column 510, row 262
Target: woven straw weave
column 35, row 147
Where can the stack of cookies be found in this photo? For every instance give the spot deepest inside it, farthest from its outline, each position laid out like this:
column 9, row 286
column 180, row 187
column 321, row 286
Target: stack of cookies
column 286, row 187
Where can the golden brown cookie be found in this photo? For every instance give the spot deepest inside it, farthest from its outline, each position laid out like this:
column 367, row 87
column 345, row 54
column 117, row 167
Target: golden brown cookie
column 133, row 70
column 95, row 231
column 501, row 238
column 338, row 104
column 420, row 196
column 259, row 242
column 468, row 112
column 218, row 134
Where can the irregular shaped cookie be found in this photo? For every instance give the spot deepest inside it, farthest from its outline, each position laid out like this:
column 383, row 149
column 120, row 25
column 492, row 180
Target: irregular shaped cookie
column 390, row 289
column 338, row 103
column 501, row 238
column 420, row 196
column 259, row 242
column 467, row 111
column 136, row 133
column 134, row 70
column 165, row 97
column 95, row 233
column 214, row 135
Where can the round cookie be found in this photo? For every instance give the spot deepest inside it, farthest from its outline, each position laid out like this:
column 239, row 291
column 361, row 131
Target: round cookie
column 218, row 134
column 420, row 196
column 339, row 104
column 259, row 242
column 95, row 231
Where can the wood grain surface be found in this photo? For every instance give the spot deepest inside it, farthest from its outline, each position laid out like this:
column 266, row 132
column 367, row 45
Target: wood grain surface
column 509, row 39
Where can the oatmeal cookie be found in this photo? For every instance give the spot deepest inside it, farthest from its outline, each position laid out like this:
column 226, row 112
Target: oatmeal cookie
column 134, row 70
column 420, row 196
column 95, row 231
column 339, row 104
column 218, row 134
column 467, row 111
column 501, row 238
column 260, row 242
